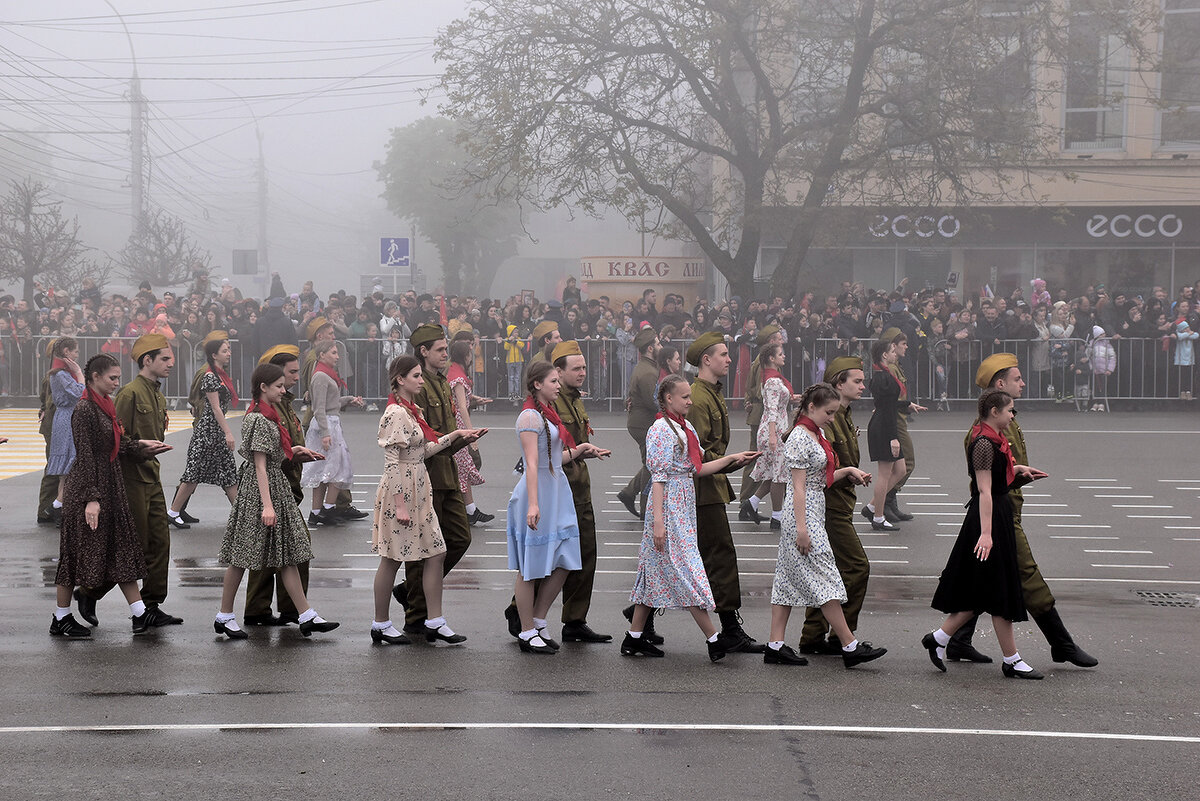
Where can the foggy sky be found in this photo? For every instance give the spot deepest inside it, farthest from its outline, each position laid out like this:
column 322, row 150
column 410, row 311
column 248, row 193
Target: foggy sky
column 324, row 81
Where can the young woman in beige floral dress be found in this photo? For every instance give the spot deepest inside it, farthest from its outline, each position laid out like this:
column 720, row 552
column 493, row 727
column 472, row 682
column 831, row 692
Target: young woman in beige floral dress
column 405, row 527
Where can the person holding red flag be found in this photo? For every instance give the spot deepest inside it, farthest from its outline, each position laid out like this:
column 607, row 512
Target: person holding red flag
column 405, row 528
column 806, row 573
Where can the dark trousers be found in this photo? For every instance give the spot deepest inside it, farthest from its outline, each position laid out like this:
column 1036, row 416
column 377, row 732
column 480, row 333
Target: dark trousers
column 719, row 556
column 48, row 490
column 261, row 585
column 577, row 591
column 749, row 485
column 149, row 509
column 638, row 483
column 456, row 531
column 855, row 569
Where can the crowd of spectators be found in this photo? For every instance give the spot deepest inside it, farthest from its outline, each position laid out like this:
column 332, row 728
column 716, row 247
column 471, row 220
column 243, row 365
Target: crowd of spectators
column 1062, row 332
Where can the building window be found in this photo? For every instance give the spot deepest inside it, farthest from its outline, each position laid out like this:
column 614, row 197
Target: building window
column 1179, row 122
column 1097, row 72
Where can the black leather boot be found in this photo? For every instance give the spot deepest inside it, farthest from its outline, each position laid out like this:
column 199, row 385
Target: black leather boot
column 733, row 638
column 1062, row 647
column 648, row 633
column 891, row 508
column 960, row 648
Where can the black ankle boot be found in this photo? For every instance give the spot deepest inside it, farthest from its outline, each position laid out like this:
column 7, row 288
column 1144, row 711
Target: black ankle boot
column 648, row 633
column 960, row 648
column 891, row 508
column 733, row 637
column 1062, row 647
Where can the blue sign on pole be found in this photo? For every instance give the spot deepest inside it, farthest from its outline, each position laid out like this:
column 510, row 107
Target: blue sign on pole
column 394, row 251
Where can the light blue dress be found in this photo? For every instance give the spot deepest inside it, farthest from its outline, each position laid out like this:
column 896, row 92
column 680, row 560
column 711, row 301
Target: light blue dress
column 65, row 391
column 555, row 543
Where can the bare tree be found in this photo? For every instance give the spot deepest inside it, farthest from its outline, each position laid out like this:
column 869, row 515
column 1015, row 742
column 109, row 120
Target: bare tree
column 161, row 251
column 726, row 113
column 36, row 240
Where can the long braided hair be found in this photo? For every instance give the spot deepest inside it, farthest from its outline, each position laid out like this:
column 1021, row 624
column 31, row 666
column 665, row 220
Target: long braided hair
column 538, row 373
column 667, row 385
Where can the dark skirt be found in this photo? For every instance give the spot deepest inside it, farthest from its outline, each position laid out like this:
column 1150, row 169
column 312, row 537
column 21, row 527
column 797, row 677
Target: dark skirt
column 991, row 587
column 879, row 446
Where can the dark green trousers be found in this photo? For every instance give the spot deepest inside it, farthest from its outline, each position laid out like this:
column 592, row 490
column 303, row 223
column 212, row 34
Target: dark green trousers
column 48, row 489
column 149, row 509
column 261, row 585
column 719, row 556
column 906, row 450
column 749, row 485
column 456, row 531
column 638, row 483
column 577, row 591
column 855, row 569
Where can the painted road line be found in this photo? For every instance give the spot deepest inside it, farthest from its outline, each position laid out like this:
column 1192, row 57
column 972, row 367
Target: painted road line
column 1078, row 525
column 1142, row 567
column 1131, row 497
column 1048, row 514
column 1046, row 505
column 1079, row 537
column 1089, row 550
column 1103, row 487
column 1142, row 506
column 1183, row 528
column 1186, row 539
column 1097, row 480
column 936, row 503
column 1159, row 517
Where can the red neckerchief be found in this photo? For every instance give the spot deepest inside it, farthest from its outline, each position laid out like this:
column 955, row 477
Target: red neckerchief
column 426, row 429
column 693, row 442
column 105, row 404
column 455, row 372
column 773, row 373
column 392, row 399
column 268, row 411
column 322, row 367
column 552, row 417
column 981, row 429
column 662, row 374
column 903, row 389
column 228, row 382
column 831, row 460
column 58, row 364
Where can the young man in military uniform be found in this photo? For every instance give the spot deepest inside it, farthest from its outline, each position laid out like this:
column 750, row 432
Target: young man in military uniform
column 543, row 339
column 262, row 582
column 642, row 407
column 48, row 489
column 769, row 335
column 845, row 374
column 1000, row 371
column 437, row 406
column 891, row 507
column 142, row 411
column 321, row 330
column 710, row 417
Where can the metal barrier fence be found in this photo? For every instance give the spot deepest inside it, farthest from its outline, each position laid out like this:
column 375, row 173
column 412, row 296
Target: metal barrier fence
column 1076, row 371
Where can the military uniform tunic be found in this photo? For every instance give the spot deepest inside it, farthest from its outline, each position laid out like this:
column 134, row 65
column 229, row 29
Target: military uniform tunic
column 710, row 417
column 577, row 591
column 642, row 409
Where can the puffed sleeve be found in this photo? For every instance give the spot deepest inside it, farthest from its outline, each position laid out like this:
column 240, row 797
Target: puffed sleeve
column 797, row 452
column 982, row 455
column 65, row 390
column 661, row 446
column 259, row 435
column 530, row 420
column 775, row 397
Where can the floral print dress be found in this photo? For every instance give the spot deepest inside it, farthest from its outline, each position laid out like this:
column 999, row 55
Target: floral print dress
column 468, row 474
column 772, row 466
column 209, row 461
column 404, row 452
column 812, row 579
column 674, row 578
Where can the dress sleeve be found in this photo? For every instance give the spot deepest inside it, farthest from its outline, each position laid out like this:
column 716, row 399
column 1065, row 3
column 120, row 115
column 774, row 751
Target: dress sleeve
column 210, row 383
column 796, row 451
column 982, row 454
column 530, row 420
column 85, row 471
column 395, row 428
column 65, row 390
column 775, row 397
column 660, row 452
column 259, row 435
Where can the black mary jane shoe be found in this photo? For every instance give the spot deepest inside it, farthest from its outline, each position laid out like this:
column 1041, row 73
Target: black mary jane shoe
column 580, row 631
column 69, row 627
column 931, row 645
column 378, row 637
column 1011, row 672
column 716, row 651
column 784, row 656
column 536, row 645
column 546, row 639
column 747, row 513
column 435, row 635
column 863, row 652
column 400, row 593
column 637, row 646
column 884, row 525
column 965, row 652
column 233, row 634
column 648, row 633
column 178, row 522
column 262, row 620
column 87, row 607
column 309, row 626
column 185, row 517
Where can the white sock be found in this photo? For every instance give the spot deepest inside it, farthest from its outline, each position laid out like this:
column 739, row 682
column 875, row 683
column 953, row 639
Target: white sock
column 471, row 508
column 775, row 645
column 172, row 513
column 777, row 516
column 539, row 623
column 878, row 518
column 386, row 628
column 942, row 638
column 754, row 501
column 137, row 608
column 328, row 506
column 225, row 617
column 60, row 612
column 381, row 625
column 871, row 508
column 434, row 622
column 712, row 638
column 1018, row 663
column 310, row 614
column 528, row 635
column 57, row 504
column 637, row 635
column 849, row 648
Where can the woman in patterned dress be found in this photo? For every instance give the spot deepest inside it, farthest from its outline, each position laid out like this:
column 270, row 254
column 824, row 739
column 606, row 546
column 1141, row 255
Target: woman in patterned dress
column 265, row 528
column 670, row 572
column 806, row 573
column 99, row 545
column 210, row 452
column 405, row 527
column 543, row 546
column 66, row 388
column 771, row 467
column 981, row 574
column 462, row 352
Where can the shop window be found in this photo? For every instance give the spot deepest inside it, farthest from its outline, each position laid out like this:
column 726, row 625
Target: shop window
column 1097, row 72
column 1179, row 122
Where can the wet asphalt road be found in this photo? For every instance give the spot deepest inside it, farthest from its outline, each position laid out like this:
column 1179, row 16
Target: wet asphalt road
column 181, row 713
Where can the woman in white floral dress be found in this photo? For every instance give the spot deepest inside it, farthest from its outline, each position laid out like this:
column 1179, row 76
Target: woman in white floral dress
column 806, row 573
column 771, row 468
column 670, row 571
column 405, row 527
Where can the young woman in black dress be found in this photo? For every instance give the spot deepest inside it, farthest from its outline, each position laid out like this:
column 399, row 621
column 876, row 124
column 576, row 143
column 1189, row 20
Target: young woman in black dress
column 981, row 574
column 883, row 437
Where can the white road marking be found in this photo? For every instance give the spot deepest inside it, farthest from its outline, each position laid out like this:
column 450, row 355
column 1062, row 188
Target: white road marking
column 1103, row 487
column 1159, row 517
column 1142, row 506
column 1122, row 496
column 1046, row 505
column 1089, row 550
column 628, row 727
column 1186, row 539
column 1078, row 525
column 1183, row 528
column 1079, row 537
column 1097, row 480
column 1147, row 567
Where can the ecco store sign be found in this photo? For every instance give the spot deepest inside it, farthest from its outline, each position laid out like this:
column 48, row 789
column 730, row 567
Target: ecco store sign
column 1123, row 226
column 923, row 226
